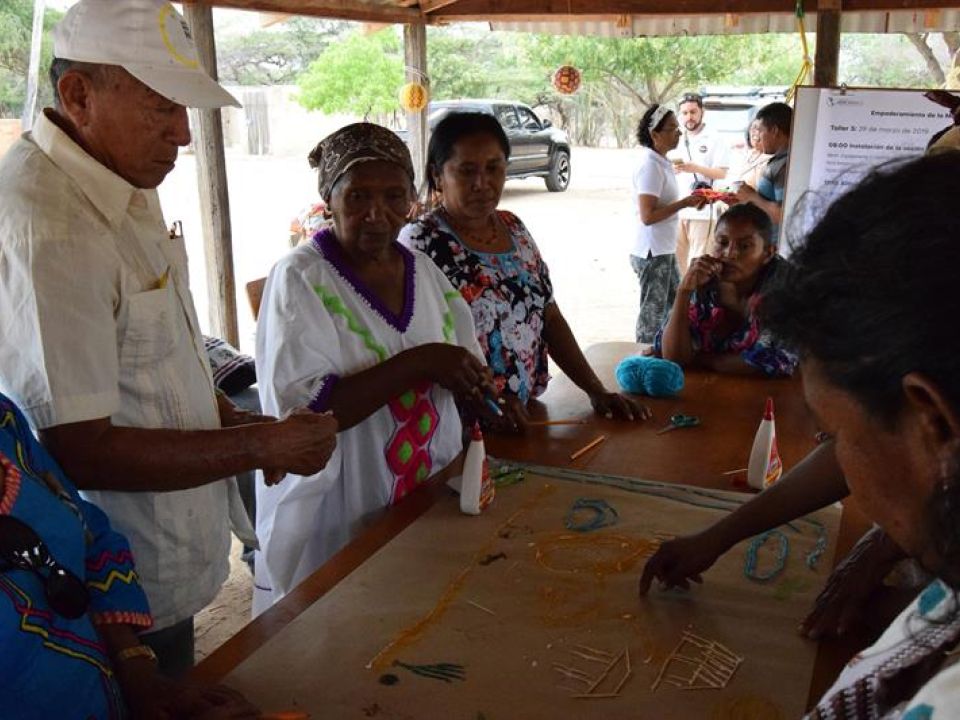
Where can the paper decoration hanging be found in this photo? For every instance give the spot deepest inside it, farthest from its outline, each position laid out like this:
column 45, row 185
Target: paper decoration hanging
column 413, row 97
column 566, row 79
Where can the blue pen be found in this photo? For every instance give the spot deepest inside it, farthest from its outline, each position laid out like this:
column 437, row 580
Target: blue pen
column 493, row 406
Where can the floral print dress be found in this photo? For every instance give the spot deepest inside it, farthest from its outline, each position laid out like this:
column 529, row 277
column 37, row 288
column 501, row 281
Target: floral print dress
column 508, row 293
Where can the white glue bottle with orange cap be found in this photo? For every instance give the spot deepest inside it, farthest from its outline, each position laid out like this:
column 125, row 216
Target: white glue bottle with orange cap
column 476, row 490
column 765, row 467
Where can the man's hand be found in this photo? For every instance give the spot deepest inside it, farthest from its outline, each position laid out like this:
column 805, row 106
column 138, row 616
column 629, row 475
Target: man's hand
column 232, row 415
column 301, row 443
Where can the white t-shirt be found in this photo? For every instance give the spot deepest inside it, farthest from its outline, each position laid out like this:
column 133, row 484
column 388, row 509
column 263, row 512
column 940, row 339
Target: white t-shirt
column 654, row 176
column 707, row 148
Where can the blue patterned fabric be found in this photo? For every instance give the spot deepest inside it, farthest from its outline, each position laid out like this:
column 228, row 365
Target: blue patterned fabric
column 51, row 666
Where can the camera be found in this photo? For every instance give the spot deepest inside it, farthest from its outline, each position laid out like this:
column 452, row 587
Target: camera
column 700, row 185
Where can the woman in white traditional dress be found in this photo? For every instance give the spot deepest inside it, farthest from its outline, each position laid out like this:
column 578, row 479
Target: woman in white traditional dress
column 354, row 324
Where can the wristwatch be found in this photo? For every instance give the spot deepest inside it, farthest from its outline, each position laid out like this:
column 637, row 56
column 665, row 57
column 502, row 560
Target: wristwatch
column 136, row 651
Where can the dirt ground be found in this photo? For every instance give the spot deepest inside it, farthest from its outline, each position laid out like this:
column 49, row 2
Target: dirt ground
column 584, row 235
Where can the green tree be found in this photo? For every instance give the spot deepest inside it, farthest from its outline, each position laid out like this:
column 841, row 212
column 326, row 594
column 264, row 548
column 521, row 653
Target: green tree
column 912, row 60
column 360, row 74
column 623, row 77
column 16, row 28
column 278, row 55
column 465, row 63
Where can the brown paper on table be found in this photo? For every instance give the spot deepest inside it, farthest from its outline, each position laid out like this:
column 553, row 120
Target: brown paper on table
column 318, row 663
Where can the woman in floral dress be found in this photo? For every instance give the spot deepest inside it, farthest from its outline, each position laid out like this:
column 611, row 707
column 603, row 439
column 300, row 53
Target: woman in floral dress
column 491, row 258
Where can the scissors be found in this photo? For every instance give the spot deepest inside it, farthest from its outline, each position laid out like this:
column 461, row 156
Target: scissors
column 680, row 421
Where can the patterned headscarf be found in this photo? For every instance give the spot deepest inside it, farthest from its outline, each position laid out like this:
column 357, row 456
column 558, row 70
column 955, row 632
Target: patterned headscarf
column 351, row 145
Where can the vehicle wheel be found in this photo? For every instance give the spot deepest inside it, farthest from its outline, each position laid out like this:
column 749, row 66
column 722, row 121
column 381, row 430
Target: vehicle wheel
column 559, row 177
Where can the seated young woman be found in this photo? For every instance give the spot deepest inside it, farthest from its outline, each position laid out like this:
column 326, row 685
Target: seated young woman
column 880, row 378
column 491, row 258
column 715, row 322
column 354, row 324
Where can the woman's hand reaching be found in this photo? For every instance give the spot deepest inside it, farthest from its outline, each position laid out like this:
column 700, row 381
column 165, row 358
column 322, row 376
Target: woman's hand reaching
column 617, row 405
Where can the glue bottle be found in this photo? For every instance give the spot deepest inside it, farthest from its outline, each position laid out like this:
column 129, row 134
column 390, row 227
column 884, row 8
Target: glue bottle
column 765, row 467
column 476, row 490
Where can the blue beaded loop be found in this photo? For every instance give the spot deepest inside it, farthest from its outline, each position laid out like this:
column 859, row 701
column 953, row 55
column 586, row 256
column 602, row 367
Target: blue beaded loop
column 604, row 515
column 750, row 560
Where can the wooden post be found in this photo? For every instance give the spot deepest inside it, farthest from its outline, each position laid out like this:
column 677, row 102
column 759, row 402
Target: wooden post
column 827, row 61
column 415, row 58
column 212, row 181
column 33, row 69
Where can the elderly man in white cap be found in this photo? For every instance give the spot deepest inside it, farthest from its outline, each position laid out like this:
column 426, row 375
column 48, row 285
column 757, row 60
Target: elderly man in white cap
column 101, row 344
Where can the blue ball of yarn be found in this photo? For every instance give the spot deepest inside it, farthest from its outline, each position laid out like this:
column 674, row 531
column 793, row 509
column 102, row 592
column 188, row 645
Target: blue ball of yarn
column 650, row 376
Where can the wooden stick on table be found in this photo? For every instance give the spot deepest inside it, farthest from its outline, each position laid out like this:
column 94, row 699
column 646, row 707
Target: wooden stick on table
column 589, row 446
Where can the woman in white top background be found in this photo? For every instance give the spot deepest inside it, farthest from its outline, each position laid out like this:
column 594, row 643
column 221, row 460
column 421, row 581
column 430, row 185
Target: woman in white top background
column 656, row 204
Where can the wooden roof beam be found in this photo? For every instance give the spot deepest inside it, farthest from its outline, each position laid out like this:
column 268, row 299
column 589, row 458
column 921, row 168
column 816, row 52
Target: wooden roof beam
column 431, row 6
column 335, row 9
column 546, row 10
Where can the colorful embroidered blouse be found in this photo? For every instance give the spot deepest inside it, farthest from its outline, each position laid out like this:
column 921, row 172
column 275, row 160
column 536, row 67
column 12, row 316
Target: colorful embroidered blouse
column 507, row 292
column 751, row 341
column 927, row 629
column 319, row 322
column 50, row 663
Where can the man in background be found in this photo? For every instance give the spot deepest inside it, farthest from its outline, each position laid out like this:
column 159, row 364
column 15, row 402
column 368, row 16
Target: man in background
column 775, row 121
column 701, row 157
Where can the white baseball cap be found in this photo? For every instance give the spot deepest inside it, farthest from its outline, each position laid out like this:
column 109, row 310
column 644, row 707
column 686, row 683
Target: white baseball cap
column 147, row 38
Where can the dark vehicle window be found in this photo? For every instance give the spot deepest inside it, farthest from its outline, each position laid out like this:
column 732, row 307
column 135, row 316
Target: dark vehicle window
column 528, row 120
column 507, row 117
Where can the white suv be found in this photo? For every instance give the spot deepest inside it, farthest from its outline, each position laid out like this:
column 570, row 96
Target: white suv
column 730, row 110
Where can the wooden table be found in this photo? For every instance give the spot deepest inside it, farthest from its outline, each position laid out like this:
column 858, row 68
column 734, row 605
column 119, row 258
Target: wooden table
column 730, row 409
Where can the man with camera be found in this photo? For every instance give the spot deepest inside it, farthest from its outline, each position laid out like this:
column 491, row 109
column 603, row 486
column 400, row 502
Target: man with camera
column 699, row 159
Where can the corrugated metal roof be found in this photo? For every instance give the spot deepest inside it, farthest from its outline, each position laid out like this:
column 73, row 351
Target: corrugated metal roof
column 650, row 25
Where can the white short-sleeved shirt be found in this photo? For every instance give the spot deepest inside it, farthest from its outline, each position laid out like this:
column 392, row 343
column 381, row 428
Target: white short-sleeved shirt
column 654, row 176
column 707, row 148
column 97, row 321
column 318, row 323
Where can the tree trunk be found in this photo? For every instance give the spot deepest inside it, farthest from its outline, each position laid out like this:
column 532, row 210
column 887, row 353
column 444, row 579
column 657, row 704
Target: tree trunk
column 919, row 41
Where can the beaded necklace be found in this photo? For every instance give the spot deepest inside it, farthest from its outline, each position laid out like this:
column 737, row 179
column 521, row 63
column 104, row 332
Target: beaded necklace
column 489, row 238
